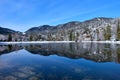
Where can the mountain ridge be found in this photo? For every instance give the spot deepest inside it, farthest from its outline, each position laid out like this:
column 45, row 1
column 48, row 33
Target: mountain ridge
column 64, row 31
column 6, row 30
column 11, row 30
column 99, row 28
column 75, row 22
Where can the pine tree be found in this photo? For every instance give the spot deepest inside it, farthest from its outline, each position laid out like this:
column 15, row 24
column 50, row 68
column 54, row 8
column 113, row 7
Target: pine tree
column 9, row 37
column 118, row 29
column 31, row 38
column 70, row 36
column 107, row 32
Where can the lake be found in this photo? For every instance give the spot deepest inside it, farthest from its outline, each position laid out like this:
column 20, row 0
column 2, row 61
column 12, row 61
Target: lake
column 60, row 61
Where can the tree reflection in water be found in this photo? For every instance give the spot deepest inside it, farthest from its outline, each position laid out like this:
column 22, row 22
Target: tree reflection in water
column 60, row 61
column 96, row 52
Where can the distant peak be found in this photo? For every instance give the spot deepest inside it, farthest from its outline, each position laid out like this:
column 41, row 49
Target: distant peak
column 102, row 18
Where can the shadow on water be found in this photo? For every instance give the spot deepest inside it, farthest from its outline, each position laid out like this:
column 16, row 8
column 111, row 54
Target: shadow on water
column 60, row 61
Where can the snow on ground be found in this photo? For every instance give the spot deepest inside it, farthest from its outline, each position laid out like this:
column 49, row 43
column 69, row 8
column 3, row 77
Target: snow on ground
column 36, row 42
column 113, row 42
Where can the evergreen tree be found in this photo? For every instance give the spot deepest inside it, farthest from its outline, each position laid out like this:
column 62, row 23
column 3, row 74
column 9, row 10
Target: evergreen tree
column 39, row 37
column 9, row 37
column 31, row 38
column 118, row 29
column 70, row 36
column 107, row 33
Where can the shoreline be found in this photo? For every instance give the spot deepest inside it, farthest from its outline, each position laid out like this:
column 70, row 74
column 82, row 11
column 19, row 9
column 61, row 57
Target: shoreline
column 25, row 42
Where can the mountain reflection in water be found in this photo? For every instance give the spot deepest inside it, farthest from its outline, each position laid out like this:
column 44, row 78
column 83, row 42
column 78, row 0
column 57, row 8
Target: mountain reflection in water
column 91, row 51
column 60, row 61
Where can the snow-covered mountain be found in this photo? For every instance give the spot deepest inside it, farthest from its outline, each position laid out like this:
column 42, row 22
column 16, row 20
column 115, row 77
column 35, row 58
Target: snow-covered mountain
column 6, row 31
column 99, row 28
column 9, row 35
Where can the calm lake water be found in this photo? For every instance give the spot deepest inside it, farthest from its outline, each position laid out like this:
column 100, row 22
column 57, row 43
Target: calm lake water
column 60, row 61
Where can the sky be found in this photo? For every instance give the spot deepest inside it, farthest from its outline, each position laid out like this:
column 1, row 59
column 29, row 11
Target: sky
column 21, row 15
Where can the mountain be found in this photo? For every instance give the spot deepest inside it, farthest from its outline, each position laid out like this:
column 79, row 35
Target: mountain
column 71, row 30
column 10, row 35
column 73, row 24
column 6, row 31
column 41, row 29
column 96, row 29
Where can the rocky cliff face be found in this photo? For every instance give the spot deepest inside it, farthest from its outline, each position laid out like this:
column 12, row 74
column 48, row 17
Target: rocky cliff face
column 95, row 29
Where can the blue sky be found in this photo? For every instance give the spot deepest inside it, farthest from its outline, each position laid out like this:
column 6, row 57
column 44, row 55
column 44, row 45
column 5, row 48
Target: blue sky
column 21, row 15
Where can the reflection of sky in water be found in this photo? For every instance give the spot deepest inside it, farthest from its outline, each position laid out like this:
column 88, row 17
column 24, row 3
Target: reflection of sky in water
column 22, row 65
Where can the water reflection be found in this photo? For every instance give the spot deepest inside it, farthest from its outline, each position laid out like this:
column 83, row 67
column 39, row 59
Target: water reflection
column 91, row 51
column 60, row 61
